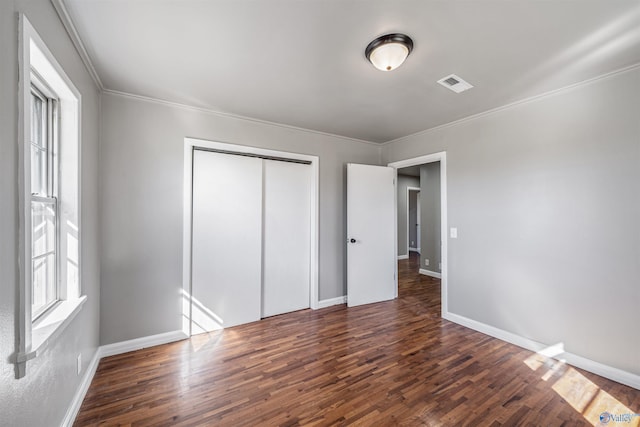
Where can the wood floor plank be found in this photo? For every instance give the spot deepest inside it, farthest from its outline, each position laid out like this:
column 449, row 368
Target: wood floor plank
column 391, row 363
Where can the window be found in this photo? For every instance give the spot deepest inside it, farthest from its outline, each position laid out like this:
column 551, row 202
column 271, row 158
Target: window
column 44, row 203
column 50, row 293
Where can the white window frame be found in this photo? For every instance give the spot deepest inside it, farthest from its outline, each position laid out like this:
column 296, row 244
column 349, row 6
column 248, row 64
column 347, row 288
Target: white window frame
column 36, row 62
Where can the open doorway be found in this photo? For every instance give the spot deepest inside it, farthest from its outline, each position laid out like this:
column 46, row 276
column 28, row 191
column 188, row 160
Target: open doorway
column 421, row 229
column 413, row 219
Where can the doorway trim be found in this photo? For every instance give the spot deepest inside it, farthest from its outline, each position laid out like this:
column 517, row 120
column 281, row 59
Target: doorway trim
column 432, row 158
column 417, row 248
column 190, row 144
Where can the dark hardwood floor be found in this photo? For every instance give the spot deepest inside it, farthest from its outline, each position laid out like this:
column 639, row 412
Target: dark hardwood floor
column 391, row 363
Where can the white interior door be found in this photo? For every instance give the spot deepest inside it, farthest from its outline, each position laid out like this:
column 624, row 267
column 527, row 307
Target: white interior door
column 226, row 240
column 371, row 261
column 287, row 237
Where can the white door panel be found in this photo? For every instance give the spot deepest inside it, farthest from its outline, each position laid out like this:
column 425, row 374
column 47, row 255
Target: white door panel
column 226, row 240
column 370, row 232
column 287, row 234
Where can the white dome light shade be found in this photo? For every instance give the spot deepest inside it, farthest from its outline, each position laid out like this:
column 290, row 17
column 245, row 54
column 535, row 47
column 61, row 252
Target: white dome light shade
column 388, row 52
column 389, row 56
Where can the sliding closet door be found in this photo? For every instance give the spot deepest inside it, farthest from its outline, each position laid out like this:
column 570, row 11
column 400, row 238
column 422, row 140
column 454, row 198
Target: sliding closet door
column 226, row 240
column 287, row 234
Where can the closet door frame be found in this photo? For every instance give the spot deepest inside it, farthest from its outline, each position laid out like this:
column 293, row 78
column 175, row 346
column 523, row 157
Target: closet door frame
column 191, row 144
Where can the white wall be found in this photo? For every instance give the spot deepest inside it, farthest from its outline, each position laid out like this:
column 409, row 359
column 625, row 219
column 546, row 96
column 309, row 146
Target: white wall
column 404, row 181
column 141, row 169
column 546, row 199
column 42, row 397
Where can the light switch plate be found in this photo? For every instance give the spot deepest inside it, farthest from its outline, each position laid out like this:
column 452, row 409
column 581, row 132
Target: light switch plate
column 454, row 233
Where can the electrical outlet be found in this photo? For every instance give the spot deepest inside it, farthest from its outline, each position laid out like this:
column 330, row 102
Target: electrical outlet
column 412, row 243
column 426, row 262
column 79, row 365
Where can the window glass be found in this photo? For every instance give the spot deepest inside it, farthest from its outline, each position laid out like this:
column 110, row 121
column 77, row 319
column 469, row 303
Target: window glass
column 43, row 222
column 44, row 290
column 39, row 146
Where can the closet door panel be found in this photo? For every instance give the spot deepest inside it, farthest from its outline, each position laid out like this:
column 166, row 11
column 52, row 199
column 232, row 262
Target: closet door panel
column 287, row 233
column 226, row 239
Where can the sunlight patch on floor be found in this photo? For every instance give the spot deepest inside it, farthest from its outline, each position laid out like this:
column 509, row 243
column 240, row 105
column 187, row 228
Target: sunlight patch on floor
column 604, row 402
column 598, row 407
column 544, row 356
column 575, row 389
column 553, row 370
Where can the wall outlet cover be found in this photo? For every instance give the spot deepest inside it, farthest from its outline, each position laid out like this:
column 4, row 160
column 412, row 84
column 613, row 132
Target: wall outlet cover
column 426, row 262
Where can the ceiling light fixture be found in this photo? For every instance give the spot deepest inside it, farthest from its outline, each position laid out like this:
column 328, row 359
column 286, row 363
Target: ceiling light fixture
column 388, row 52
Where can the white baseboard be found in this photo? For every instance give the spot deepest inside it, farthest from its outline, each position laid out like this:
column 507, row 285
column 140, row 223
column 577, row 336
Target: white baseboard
column 112, row 350
column 430, row 273
column 414, row 250
column 614, row 374
column 332, row 301
column 406, row 256
column 140, row 343
column 81, row 392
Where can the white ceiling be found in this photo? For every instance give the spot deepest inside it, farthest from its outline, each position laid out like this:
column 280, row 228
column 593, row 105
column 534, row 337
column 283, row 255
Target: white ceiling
column 302, row 63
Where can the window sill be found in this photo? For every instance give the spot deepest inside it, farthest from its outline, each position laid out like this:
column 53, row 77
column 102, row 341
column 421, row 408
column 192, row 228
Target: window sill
column 46, row 329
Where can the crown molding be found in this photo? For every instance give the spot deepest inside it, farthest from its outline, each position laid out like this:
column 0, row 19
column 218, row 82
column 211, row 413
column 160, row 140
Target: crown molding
column 66, row 20
column 515, row 103
column 233, row 116
column 71, row 29
column 63, row 13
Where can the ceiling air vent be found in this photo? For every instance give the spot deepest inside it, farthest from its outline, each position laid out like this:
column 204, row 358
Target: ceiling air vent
column 451, row 81
column 454, row 83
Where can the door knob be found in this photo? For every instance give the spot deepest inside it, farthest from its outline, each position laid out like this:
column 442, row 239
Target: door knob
column 352, row 240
